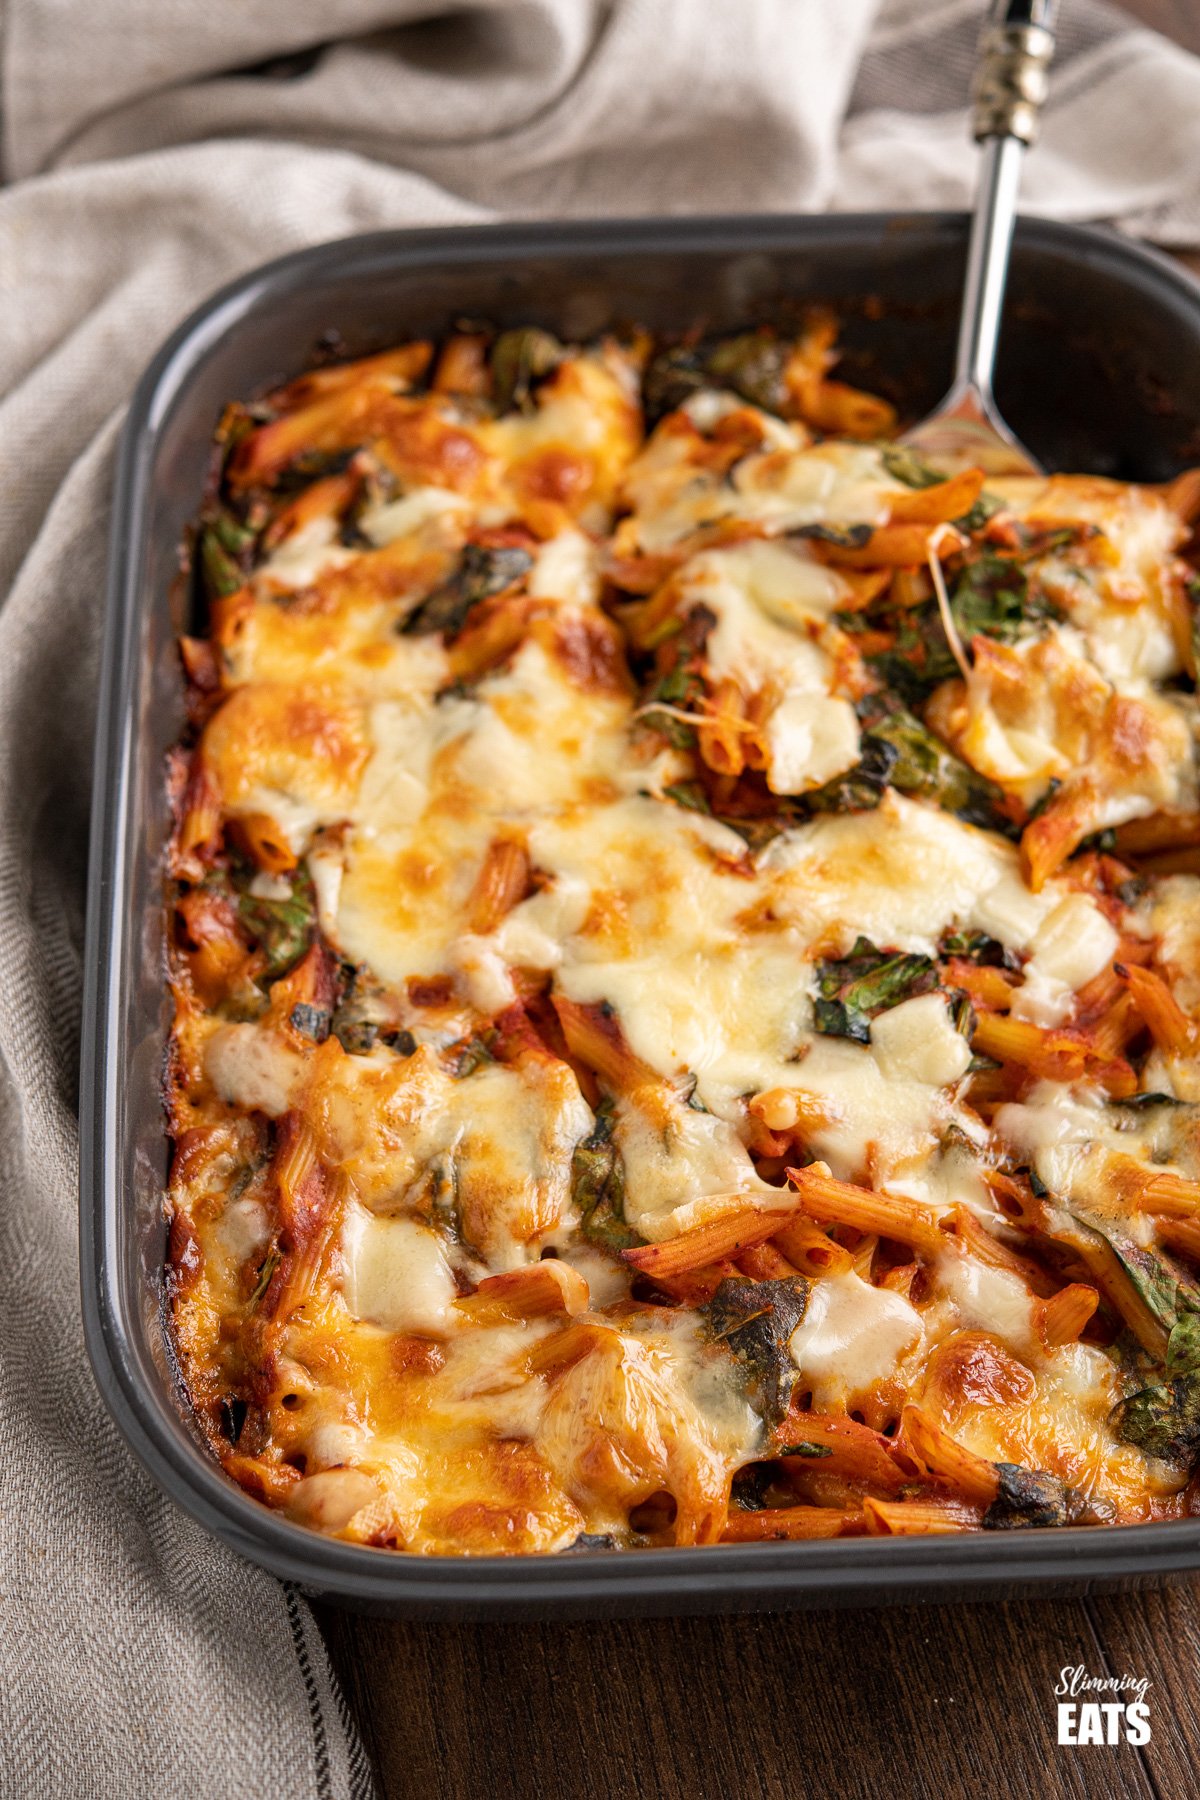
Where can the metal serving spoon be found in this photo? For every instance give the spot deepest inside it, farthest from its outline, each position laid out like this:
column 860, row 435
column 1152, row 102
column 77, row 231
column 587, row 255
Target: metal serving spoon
column 1010, row 86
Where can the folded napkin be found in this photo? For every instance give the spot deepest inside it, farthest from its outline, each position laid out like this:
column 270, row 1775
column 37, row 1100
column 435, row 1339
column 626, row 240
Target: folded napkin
column 153, row 149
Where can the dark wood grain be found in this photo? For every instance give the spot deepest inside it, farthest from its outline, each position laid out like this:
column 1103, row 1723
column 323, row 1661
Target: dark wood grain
column 917, row 1703
column 924, row 1703
column 1158, row 1635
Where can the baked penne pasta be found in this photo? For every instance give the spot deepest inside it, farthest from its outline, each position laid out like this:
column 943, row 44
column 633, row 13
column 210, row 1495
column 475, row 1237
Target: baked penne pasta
column 683, row 962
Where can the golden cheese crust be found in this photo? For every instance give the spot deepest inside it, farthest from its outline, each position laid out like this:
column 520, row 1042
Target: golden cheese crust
column 686, row 983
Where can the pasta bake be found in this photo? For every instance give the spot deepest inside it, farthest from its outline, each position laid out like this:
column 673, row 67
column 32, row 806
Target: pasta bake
column 685, row 958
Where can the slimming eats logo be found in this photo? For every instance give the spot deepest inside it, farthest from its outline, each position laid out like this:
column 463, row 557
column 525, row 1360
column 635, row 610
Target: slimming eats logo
column 1102, row 1709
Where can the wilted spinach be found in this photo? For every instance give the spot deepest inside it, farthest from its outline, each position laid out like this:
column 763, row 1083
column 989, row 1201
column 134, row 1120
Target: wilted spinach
column 751, row 364
column 519, row 360
column 1163, row 1417
column 1027, row 1497
column 992, row 597
column 755, row 1319
column 853, row 989
column 861, row 788
column 281, row 929
column 598, row 1185
column 482, row 571
column 923, row 766
column 225, row 550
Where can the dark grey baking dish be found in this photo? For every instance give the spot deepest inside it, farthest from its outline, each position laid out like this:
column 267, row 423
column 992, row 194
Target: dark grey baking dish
column 1100, row 370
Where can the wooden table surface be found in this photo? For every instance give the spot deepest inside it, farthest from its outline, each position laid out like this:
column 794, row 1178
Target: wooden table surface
column 921, row 1703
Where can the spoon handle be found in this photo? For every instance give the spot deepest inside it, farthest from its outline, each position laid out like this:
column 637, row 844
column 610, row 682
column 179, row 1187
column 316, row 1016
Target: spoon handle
column 1010, row 85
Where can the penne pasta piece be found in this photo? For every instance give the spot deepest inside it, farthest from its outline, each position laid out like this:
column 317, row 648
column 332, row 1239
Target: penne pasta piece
column 789, row 1109
column 834, row 407
column 1062, row 1318
column 335, row 421
column 1169, row 830
column 401, row 366
column 792, row 1522
column 696, row 1287
column 916, row 1518
column 1183, row 495
column 327, row 498
column 936, row 1453
column 1182, row 1235
column 493, row 631
column 840, row 1202
column 985, row 1248
column 1164, row 1192
column 1168, row 1024
column 812, row 1250
column 199, row 832
column 502, row 882
column 264, row 842
column 703, row 1244
column 986, row 987
column 843, row 1446
column 764, row 1262
column 462, row 366
column 537, row 1291
column 1052, row 1055
column 721, row 735
column 1113, row 1280
column 594, row 1035
column 932, row 505
column 891, row 546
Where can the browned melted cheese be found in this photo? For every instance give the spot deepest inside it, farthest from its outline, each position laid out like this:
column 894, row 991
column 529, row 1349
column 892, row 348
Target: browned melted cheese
column 510, row 849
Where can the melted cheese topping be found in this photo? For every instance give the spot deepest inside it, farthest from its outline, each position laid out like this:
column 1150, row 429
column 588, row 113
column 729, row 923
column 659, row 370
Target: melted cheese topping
column 851, row 1337
column 529, row 995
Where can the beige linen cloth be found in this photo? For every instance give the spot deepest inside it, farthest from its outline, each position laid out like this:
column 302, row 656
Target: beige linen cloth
column 152, row 149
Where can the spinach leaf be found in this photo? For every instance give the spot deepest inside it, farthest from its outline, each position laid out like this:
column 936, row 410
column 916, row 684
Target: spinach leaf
column 1027, row 1497
column 519, row 359
column 920, row 658
column 1163, row 1420
column 1143, row 1102
column 1160, row 1283
column 985, row 508
column 751, row 364
column 1183, row 1345
column 481, row 572
column 311, row 1021
column 680, row 686
column 755, row 1319
column 977, row 947
column 266, row 1271
column 598, row 1185
column 221, row 569
column 903, row 464
column 281, row 929
column 673, row 377
column 992, row 598
column 925, row 767
column 690, row 795
column 761, row 829
column 853, row 989
column 471, row 1055
column 846, row 537
column 861, row 788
